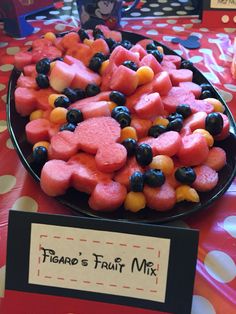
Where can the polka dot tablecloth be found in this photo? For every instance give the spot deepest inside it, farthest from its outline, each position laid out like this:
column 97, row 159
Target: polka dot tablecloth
column 215, row 282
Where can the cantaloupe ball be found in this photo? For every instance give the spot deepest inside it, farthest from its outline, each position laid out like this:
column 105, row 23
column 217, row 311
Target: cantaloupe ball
column 218, row 106
column 88, row 42
column 111, row 105
column 164, row 163
column 161, row 121
column 128, row 132
column 37, row 114
column 160, row 49
column 145, row 75
column 186, row 193
column 103, row 67
column 209, row 138
column 58, row 115
column 52, row 98
column 135, row 201
column 50, row 36
column 41, row 143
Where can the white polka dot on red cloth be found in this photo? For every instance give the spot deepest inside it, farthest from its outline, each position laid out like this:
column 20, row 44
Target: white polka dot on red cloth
column 225, row 95
column 161, row 25
column 171, row 21
column 12, row 50
column 178, row 28
column 3, row 125
column 60, row 27
column 4, row 98
column 217, row 68
column 9, row 144
column 25, row 203
column 147, row 22
column 220, row 266
column 28, row 43
column 230, row 225
column 179, row 52
column 167, row 38
column 225, row 57
column 6, row 67
column 204, row 29
column 36, row 30
column 230, row 87
column 206, row 51
column 2, row 87
column 3, row 44
column 196, row 59
column 229, row 30
column 137, row 27
column 211, row 77
column 2, row 280
column 152, row 32
column 201, row 305
column 7, row 183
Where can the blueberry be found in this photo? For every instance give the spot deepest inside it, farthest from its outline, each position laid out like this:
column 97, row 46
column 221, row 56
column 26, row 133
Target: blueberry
column 40, row 155
column 123, row 118
column 62, row 101
column 126, row 44
column 207, row 93
column 43, row 66
column 174, row 115
column 185, row 175
column 114, row 46
column 214, row 123
column 97, row 31
column 131, row 65
column 130, row 144
column 151, row 46
column 185, row 64
column 95, row 64
column 100, row 55
column 154, row 177
column 157, row 54
column 110, row 42
column 83, row 34
column 80, row 93
column 117, row 97
column 184, row 110
column 115, row 111
column 68, row 127
column 92, row 90
column 175, row 125
column 156, row 130
column 143, row 154
column 42, row 80
column 136, row 182
column 206, row 86
column 71, row 94
column 98, row 36
column 74, row 116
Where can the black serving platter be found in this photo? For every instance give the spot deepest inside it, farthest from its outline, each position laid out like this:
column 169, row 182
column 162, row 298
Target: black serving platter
column 79, row 201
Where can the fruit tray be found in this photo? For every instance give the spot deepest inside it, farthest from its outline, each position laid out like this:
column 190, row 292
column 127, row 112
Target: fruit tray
column 79, row 201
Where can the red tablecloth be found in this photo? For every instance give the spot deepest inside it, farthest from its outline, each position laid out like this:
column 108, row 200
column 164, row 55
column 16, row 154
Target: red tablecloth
column 215, row 283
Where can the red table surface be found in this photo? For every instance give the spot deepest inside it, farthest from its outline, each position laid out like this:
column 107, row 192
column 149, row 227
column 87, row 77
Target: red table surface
column 215, row 282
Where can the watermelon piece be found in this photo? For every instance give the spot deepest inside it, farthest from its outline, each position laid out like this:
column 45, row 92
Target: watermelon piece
column 175, row 97
column 174, row 59
column 198, row 105
column 194, row 150
column 206, row 178
column 192, row 87
column 162, row 83
column 79, row 104
column 85, row 175
column 195, row 121
column 141, row 126
column 30, row 70
column 120, row 84
column 81, row 52
column 180, row 75
column 100, row 45
column 55, row 177
column 82, row 75
column 120, row 54
column 149, row 106
column 96, row 109
column 22, row 59
column 225, row 131
column 69, row 40
column 41, row 43
column 27, row 82
column 144, row 42
column 150, row 61
column 94, row 132
column 61, row 76
column 168, row 66
column 136, row 96
column 110, row 157
column 167, row 143
column 123, row 175
column 216, row 158
column 107, row 196
column 116, row 35
column 63, row 145
column 41, row 96
column 37, row 130
column 107, row 75
column 25, row 101
column 46, row 52
column 160, row 199
column 140, row 50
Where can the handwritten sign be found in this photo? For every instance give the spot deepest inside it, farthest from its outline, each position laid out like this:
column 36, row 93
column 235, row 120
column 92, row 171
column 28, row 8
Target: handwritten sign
column 218, row 13
column 101, row 260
